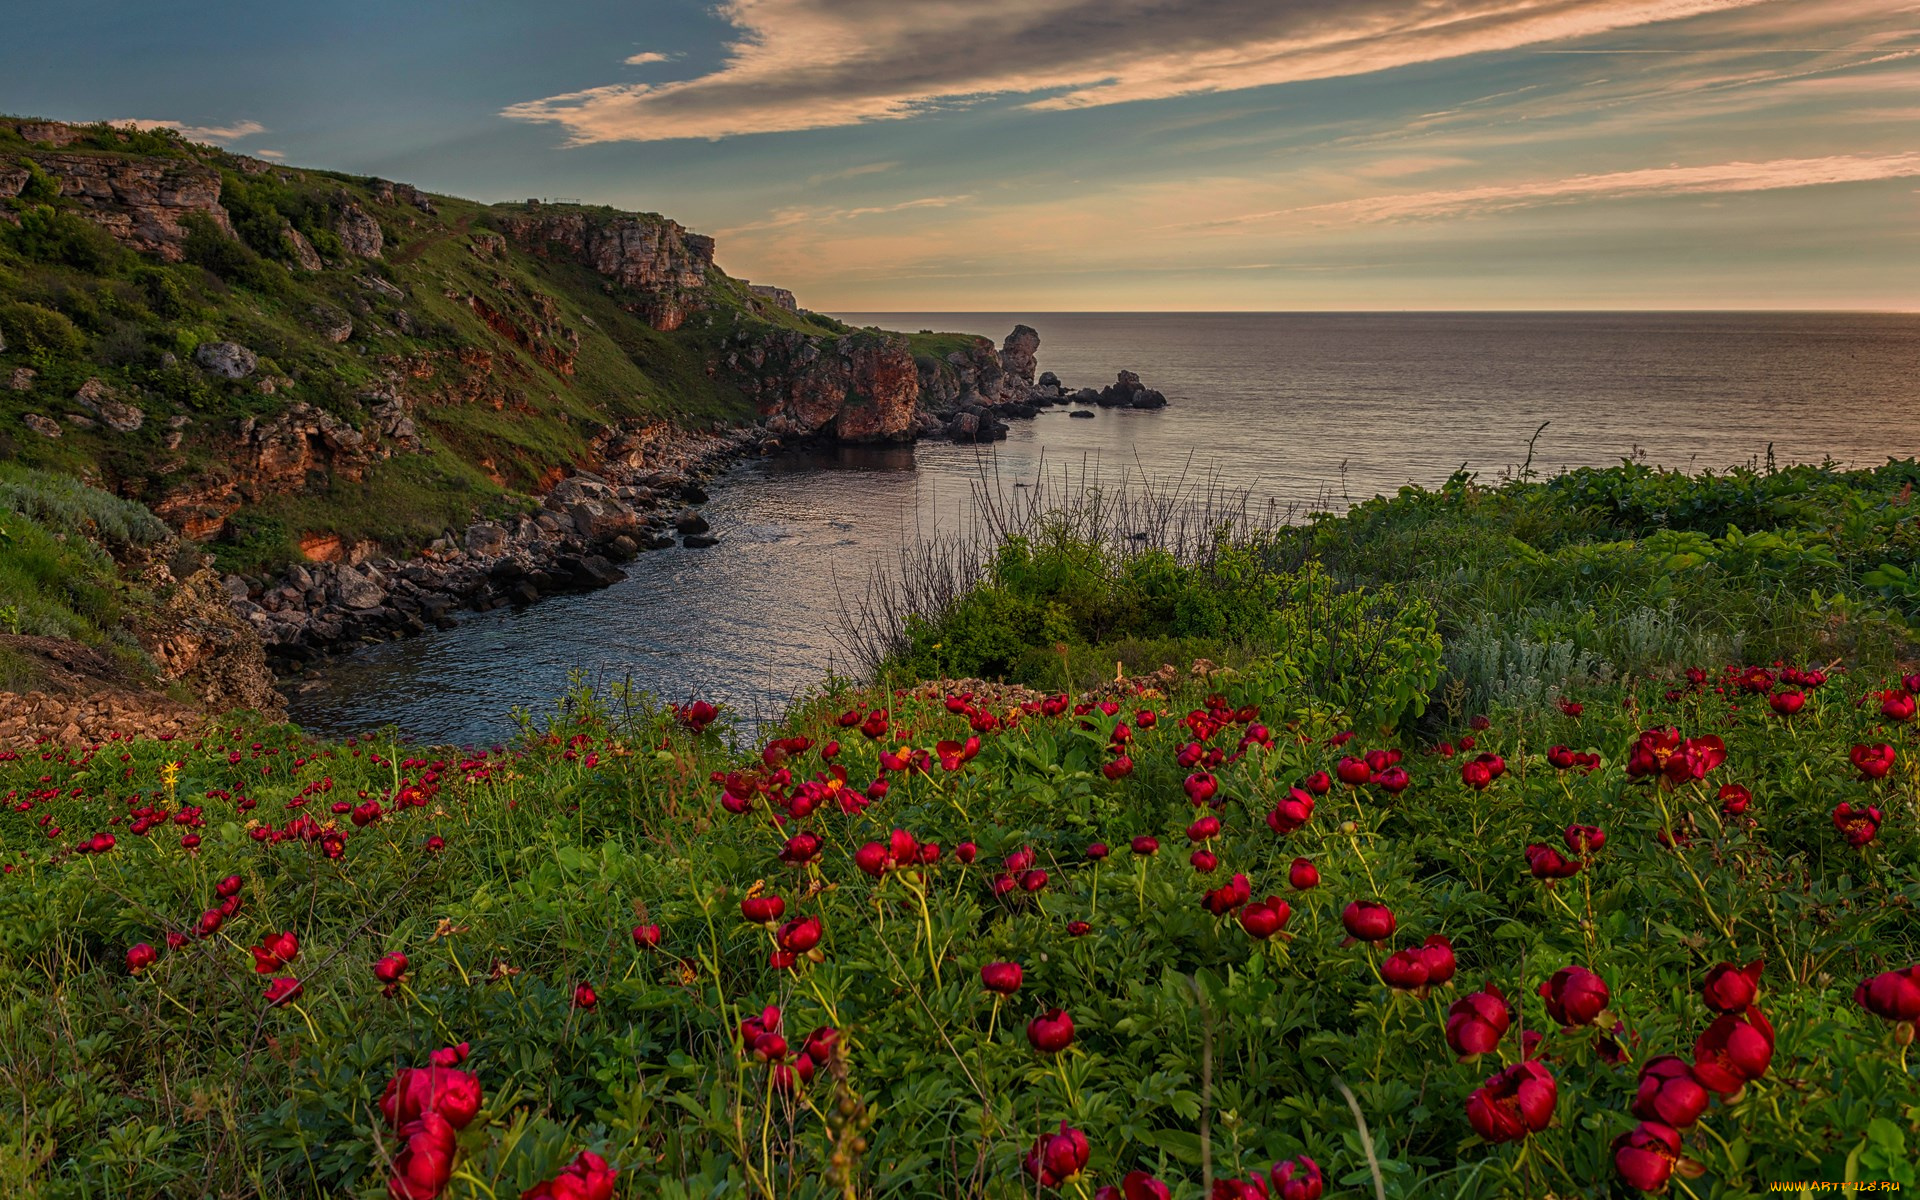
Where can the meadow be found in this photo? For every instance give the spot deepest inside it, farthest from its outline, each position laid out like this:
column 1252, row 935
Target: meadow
column 1554, row 838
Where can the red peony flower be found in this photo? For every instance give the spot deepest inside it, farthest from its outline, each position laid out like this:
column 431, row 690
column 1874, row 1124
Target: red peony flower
column 1891, row 995
column 1669, row 1093
column 587, row 1177
column 1873, row 762
column 646, row 937
column 1297, row 1179
column 799, row 935
column 1368, row 921
column 1002, row 978
column 1291, row 812
column 1646, row 1154
column 1058, row 1157
column 140, row 956
column 1584, row 839
column 1303, row 875
column 1514, row 1103
column 1051, row 1031
column 1734, row 1049
column 1263, row 920
column 1547, row 863
column 1859, row 825
column 1734, row 799
column 1574, row 996
column 1730, row 989
column 283, row 990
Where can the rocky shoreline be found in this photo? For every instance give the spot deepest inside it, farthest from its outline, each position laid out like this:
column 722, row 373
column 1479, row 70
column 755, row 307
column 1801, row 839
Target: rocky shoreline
column 642, row 495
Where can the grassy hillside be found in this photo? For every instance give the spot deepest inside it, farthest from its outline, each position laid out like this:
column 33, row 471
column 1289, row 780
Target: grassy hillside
column 507, row 362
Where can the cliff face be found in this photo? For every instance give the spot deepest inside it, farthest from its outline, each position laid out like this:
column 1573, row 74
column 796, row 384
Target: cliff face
column 663, row 265
column 140, row 201
column 862, row 387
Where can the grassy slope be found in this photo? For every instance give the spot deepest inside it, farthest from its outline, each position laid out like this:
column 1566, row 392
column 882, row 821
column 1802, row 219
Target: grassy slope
column 115, row 316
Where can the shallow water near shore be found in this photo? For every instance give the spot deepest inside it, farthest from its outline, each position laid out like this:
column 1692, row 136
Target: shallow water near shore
column 1299, row 409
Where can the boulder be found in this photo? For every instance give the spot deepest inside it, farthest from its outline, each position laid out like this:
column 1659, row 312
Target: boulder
column 352, row 590
column 229, row 360
column 304, row 255
column 699, row 541
column 22, row 379
column 689, row 521
column 100, row 400
column 485, row 540
column 1082, row 412
column 1149, row 398
column 358, row 232
column 44, row 426
column 1049, row 379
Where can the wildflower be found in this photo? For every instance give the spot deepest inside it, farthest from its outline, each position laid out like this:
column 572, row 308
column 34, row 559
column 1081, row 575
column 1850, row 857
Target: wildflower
column 1645, row 1155
column 1058, row 1157
column 1477, row 1021
column 1368, row 921
column 140, row 956
column 1574, row 996
column 1001, row 978
column 1051, row 1031
column 1730, row 989
column 1513, row 1103
column 1669, row 1093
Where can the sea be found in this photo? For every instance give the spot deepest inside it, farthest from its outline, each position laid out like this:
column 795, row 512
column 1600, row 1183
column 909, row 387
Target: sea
column 1296, row 411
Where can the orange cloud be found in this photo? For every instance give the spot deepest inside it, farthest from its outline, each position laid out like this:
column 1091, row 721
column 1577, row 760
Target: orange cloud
column 810, row 64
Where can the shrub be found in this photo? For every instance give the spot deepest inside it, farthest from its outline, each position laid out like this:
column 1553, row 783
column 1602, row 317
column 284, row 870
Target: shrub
column 38, row 329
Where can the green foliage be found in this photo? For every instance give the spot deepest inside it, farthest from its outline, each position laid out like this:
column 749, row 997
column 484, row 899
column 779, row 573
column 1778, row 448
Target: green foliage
column 59, row 235
column 58, row 577
column 39, row 330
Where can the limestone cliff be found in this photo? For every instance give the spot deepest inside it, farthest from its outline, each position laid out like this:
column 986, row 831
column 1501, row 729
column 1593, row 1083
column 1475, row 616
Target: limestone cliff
column 860, row 387
column 661, row 265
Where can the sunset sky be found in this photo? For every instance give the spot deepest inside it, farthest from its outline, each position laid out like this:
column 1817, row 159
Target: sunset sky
column 880, row 155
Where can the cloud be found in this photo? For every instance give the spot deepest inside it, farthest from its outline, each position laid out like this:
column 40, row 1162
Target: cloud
column 811, row 64
column 787, row 217
column 875, row 168
column 219, row 135
column 649, row 56
column 1771, row 175
column 276, row 155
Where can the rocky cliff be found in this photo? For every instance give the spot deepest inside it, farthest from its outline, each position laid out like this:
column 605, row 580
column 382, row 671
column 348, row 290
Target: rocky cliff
column 661, row 266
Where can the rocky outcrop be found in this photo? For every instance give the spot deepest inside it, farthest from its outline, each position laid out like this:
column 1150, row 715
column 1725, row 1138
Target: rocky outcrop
column 778, row 296
column 1017, row 364
column 301, row 449
column 661, row 266
column 358, row 232
column 304, row 255
column 229, row 360
column 141, row 201
column 1125, row 392
column 860, row 387
column 103, row 402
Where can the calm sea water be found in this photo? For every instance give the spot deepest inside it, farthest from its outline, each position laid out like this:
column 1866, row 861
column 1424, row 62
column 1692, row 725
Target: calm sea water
column 1295, row 407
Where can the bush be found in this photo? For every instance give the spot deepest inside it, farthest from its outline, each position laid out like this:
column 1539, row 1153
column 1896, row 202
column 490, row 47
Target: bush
column 40, row 330
column 57, row 235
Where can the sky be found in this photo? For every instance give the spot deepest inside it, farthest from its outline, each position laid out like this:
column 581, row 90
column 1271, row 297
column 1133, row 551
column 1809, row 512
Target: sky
column 1090, row 155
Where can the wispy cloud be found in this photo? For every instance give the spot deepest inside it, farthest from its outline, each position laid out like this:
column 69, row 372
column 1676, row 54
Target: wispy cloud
column 219, row 135
column 873, row 168
column 1651, row 181
column 786, row 218
column 810, row 64
column 648, row 56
